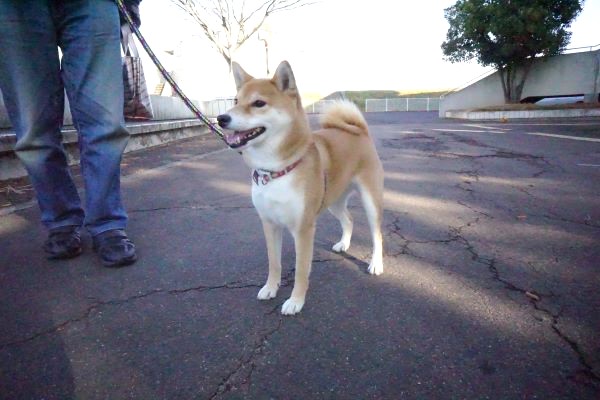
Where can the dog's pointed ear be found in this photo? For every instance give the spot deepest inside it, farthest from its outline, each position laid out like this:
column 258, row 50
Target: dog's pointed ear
column 284, row 78
column 239, row 75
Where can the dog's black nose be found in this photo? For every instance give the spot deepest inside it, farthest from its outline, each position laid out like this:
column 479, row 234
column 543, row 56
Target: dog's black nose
column 223, row 120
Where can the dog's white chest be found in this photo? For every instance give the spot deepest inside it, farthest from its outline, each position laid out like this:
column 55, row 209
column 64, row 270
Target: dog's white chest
column 278, row 201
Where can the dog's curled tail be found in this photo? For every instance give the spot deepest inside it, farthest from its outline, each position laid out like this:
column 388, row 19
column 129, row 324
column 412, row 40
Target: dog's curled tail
column 346, row 116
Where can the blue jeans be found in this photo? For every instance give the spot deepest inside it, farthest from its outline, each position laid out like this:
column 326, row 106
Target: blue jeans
column 33, row 81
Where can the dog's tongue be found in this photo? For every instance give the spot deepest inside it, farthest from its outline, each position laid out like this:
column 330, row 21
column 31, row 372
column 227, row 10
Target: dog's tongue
column 231, row 137
column 236, row 137
column 240, row 138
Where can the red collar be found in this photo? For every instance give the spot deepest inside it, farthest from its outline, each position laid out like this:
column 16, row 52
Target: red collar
column 265, row 177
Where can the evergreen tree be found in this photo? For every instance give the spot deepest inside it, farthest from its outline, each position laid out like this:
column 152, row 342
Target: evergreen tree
column 508, row 34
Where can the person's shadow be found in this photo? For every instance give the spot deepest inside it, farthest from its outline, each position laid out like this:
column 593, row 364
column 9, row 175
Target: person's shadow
column 33, row 360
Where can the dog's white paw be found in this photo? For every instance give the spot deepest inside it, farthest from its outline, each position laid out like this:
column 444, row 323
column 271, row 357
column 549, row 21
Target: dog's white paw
column 292, row 306
column 376, row 267
column 340, row 246
column 267, row 292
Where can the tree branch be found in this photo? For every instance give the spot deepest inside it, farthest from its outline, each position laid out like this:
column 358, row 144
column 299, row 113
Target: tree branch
column 228, row 24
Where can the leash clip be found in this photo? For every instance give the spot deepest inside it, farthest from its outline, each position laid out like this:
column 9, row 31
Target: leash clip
column 262, row 178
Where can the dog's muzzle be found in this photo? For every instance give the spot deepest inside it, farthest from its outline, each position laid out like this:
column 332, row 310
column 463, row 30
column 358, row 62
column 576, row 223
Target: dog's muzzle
column 238, row 138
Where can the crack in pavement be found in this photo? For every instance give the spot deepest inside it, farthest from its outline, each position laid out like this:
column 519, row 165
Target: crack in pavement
column 246, row 363
column 286, row 281
column 83, row 316
column 476, row 211
column 454, row 235
column 530, row 159
column 534, row 297
column 471, row 190
column 208, row 207
column 501, row 153
column 99, row 304
column 553, row 216
column 505, row 153
column 588, row 369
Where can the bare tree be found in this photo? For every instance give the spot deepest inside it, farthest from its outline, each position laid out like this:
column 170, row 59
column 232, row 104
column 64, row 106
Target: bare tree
column 228, row 24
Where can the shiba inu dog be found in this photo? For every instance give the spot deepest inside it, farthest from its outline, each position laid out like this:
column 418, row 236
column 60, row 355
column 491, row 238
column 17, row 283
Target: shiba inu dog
column 298, row 173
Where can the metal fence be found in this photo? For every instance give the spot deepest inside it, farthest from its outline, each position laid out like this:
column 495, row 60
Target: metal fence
column 319, row 107
column 218, row 106
column 403, row 104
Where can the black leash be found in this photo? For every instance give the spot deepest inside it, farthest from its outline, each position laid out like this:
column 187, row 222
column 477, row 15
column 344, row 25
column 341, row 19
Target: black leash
column 213, row 127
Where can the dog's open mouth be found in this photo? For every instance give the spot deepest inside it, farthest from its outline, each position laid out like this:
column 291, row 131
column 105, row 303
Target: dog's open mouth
column 240, row 138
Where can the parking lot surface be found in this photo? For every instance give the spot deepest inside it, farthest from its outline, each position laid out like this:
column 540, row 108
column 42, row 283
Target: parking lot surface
column 490, row 288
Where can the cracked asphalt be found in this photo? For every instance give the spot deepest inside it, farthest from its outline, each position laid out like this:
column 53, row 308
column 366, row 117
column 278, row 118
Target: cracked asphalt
column 490, row 288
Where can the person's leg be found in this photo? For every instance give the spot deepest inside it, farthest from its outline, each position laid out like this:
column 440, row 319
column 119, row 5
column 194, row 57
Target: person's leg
column 34, row 97
column 89, row 36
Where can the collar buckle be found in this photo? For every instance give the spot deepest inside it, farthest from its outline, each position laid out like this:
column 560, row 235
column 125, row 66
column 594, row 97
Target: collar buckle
column 267, row 176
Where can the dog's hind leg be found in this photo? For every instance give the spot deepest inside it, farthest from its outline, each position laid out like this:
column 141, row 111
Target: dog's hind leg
column 370, row 186
column 273, row 237
column 304, row 241
column 340, row 210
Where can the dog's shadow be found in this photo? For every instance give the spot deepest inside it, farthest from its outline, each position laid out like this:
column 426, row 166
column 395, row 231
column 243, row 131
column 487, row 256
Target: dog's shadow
column 323, row 248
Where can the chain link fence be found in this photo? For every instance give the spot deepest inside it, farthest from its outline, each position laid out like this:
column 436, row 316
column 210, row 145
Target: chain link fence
column 403, row 104
column 219, row 106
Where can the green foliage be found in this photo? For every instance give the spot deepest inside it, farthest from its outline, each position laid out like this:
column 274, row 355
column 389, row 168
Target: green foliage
column 508, row 32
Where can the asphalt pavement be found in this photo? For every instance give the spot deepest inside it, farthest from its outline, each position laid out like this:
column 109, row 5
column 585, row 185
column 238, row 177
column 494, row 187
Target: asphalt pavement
column 490, row 288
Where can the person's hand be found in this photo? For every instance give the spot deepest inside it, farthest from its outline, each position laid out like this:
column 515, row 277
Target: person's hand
column 134, row 12
column 133, row 9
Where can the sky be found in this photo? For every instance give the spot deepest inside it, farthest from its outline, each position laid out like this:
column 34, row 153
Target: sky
column 332, row 45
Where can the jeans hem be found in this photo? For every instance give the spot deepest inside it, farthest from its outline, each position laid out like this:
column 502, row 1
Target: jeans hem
column 63, row 224
column 94, row 231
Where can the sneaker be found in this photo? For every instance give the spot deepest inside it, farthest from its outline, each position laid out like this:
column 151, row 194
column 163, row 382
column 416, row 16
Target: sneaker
column 63, row 243
column 114, row 248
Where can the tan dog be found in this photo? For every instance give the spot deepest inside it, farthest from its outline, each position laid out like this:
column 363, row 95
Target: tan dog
column 298, row 173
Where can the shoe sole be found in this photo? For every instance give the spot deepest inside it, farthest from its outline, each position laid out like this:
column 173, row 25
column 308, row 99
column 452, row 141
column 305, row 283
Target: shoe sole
column 64, row 256
column 121, row 263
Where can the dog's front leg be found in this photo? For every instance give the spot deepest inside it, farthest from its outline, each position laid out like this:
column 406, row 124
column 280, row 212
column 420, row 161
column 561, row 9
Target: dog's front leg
column 273, row 237
column 304, row 242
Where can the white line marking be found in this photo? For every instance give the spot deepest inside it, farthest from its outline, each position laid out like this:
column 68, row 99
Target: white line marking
column 488, row 127
column 557, row 124
column 460, row 130
column 589, row 165
column 583, row 139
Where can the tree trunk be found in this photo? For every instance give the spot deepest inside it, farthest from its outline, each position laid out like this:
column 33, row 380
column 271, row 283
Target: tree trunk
column 508, row 76
column 519, row 88
column 505, row 89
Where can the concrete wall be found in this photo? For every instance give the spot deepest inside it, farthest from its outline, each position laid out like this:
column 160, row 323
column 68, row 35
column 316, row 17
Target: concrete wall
column 172, row 121
column 565, row 74
column 142, row 135
column 165, row 108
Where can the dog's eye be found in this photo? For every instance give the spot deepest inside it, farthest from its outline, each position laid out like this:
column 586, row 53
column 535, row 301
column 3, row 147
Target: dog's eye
column 259, row 104
column 235, row 102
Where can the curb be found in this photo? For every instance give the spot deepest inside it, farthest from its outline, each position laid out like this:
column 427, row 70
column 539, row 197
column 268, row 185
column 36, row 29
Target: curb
column 142, row 135
column 522, row 114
